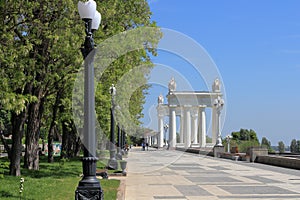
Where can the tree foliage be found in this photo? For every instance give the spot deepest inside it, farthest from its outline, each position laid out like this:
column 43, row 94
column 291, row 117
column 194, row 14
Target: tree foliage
column 293, row 147
column 267, row 144
column 244, row 135
column 298, row 146
column 39, row 60
column 39, row 51
column 244, row 139
column 281, row 147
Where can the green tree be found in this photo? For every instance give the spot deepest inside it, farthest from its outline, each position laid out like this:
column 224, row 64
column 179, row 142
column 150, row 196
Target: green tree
column 253, row 136
column 131, row 92
column 244, row 135
column 39, row 59
column 244, row 139
column 293, row 147
column 40, row 47
column 266, row 143
column 298, row 146
column 281, row 147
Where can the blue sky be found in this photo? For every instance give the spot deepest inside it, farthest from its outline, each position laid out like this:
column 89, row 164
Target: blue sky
column 256, row 47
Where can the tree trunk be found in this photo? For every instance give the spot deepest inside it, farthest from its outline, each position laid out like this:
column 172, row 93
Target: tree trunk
column 65, row 149
column 17, row 122
column 76, row 140
column 63, row 144
column 50, row 145
column 52, row 126
column 31, row 160
column 70, row 141
column 77, row 147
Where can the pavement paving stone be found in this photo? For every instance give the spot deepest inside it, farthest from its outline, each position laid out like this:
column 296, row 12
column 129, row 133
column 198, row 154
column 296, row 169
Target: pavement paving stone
column 192, row 190
column 263, row 179
column 257, row 189
column 214, row 179
column 172, row 175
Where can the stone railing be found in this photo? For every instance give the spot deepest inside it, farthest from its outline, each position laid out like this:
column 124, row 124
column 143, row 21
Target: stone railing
column 281, row 161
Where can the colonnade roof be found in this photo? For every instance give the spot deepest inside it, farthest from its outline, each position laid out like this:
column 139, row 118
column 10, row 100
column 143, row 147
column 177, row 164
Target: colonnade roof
column 192, row 98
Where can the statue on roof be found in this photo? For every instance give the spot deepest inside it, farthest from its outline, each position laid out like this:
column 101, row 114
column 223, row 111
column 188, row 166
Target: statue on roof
column 216, row 87
column 172, row 85
column 160, row 99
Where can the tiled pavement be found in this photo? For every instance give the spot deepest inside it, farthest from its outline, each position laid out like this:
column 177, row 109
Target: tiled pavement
column 174, row 175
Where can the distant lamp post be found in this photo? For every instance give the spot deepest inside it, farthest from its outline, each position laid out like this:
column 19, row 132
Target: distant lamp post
column 112, row 163
column 166, row 126
column 89, row 187
column 119, row 151
column 228, row 138
column 124, row 143
column 122, row 140
column 119, row 140
column 218, row 104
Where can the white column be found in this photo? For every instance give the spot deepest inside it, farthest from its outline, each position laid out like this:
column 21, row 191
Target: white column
column 202, row 127
column 160, row 132
column 154, row 139
column 181, row 128
column 187, row 125
column 172, row 128
column 194, row 128
column 214, row 125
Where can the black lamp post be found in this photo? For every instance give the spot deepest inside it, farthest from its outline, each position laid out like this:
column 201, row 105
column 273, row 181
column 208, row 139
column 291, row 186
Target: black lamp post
column 119, row 150
column 112, row 163
column 124, row 141
column 119, row 137
column 89, row 187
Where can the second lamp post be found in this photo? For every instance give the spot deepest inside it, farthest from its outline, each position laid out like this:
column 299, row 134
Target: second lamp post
column 112, row 163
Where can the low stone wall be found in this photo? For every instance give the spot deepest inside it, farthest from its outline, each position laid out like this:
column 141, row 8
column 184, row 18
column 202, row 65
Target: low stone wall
column 218, row 150
column 236, row 156
column 254, row 155
column 202, row 151
column 280, row 161
column 254, row 152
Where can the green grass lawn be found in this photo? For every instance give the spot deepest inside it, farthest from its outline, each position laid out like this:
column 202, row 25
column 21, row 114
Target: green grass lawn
column 57, row 180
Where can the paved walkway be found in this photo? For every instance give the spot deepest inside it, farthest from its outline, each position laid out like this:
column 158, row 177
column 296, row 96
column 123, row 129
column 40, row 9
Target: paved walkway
column 174, row 175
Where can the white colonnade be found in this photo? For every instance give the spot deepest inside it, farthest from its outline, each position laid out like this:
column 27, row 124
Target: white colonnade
column 190, row 107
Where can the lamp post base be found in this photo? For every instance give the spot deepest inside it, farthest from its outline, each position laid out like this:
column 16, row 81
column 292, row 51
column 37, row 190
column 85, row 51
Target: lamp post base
column 112, row 163
column 89, row 187
column 83, row 193
column 119, row 153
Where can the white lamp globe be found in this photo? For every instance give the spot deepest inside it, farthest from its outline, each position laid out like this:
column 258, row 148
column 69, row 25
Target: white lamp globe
column 96, row 21
column 87, row 9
